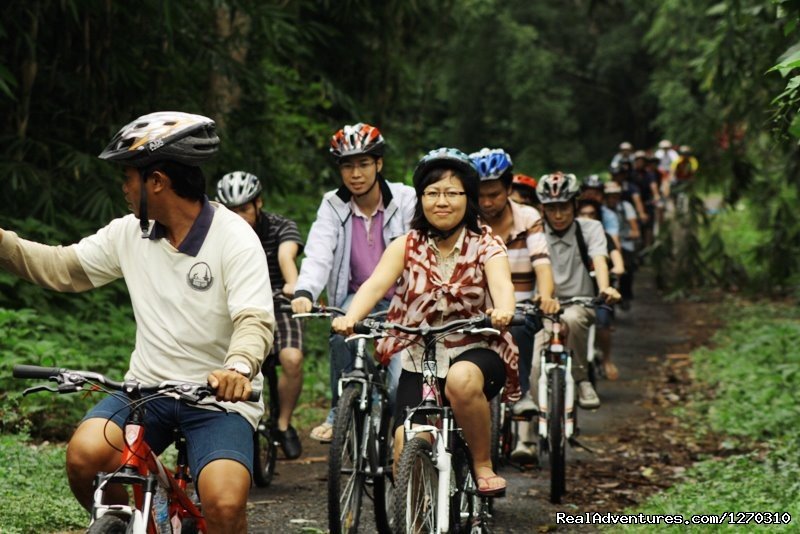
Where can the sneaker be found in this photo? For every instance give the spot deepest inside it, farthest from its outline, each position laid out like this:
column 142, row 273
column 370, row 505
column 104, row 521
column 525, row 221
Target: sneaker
column 524, row 405
column 587, row 397
column 289, row 442
column 524, row 454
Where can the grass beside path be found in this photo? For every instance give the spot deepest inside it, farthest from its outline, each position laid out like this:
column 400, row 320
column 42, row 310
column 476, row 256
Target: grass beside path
column 748, row 392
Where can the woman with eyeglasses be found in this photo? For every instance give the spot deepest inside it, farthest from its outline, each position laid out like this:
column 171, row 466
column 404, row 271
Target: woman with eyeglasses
column 449, row 267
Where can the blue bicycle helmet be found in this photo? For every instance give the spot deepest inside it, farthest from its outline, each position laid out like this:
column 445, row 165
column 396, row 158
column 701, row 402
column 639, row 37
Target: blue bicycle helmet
column 492, row 163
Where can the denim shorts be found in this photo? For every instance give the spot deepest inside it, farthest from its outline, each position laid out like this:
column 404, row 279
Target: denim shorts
column 604, row 315
column 210, row 434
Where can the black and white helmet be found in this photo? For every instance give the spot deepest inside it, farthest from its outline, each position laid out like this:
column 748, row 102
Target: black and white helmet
column 164, row 136
column 557, row 187
column 237, row 188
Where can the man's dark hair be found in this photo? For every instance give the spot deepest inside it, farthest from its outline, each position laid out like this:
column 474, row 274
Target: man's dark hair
column 470, row 220
column 187, row 181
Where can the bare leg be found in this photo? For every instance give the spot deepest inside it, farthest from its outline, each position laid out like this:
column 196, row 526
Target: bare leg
column 604, row 340
column 290, row 384
column 464, row 389
column 88, row 453
column 223, row 486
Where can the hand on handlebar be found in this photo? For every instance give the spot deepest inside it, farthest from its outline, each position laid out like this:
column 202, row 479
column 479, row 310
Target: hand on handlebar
column 302, row 305
column 549, row 306
column 500, row 318
column 610, row 295
column 343, row 325
column 230, row 385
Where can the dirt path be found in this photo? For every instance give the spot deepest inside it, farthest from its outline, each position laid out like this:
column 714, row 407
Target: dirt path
column 638, row 448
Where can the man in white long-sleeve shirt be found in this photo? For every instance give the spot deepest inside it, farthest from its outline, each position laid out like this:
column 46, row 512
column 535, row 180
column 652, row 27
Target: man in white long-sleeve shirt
column 198, row 282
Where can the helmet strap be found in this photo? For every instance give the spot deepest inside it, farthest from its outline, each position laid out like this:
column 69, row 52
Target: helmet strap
column 144, row 222
column 374, row 183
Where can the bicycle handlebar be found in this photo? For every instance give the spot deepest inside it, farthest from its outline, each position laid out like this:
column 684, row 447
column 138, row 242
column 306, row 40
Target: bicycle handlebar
column 473, row 325
column 69, row 381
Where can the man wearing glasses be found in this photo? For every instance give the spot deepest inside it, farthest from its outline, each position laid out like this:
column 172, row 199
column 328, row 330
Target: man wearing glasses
column 354, row 225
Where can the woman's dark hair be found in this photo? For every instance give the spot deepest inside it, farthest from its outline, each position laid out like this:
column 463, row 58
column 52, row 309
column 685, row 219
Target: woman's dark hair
column 187, row 181
column 593, row 203
column 470, row 220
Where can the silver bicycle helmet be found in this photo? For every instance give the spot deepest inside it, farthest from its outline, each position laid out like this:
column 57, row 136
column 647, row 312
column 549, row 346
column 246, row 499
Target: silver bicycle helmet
column 237, row 188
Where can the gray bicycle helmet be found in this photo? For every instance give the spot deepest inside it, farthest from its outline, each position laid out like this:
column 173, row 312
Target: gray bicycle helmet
column 237, row 188
column 557, row 187
column 593, row 181
column 164, row 136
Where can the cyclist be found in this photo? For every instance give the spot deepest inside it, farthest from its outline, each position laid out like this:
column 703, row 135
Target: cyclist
column 354, row 225
column 684, row 167
column 523, row 190
column 522, row 231
column 629, row 234
column 577, row 248
column 200, row 291
column 666, row 155
column 590, row 209
column 624, row 154
column 449, row 264
column 241, row 193
column 647, row 182
column 592, row 189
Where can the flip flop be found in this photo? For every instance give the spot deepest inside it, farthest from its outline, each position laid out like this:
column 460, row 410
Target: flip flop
column 323, row 433
column 499, row 491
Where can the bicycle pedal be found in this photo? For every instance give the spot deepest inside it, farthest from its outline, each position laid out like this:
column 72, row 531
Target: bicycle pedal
column 575, row 443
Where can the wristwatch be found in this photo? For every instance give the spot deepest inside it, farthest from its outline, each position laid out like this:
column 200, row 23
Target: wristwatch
column 240, row 367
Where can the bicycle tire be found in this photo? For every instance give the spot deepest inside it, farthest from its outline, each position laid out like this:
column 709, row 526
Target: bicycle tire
column 555, row 436
column 108, row 524
column 345, row 465
column 383, row 483
column 265, row 452
column 495, row 415
column 416, row 489
column 465, row 504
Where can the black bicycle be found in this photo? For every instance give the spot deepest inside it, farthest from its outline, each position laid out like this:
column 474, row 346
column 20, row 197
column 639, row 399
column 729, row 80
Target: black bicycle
column 265, row 446
column 360, row 455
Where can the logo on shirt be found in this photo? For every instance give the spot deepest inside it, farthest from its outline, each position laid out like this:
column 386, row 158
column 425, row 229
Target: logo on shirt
column 199, row 276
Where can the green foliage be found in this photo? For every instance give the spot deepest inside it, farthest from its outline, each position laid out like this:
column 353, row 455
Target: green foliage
column 754, row 374
column 34, row 494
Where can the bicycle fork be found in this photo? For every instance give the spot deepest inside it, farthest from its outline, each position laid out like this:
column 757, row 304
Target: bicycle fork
column 569, row 398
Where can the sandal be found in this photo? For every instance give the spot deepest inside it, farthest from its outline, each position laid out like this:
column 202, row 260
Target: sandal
column 499, row 491
column 323, row 433
column 611, row 371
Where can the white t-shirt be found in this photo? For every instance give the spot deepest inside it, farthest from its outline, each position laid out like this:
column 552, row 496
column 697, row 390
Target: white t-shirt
column 184, row 302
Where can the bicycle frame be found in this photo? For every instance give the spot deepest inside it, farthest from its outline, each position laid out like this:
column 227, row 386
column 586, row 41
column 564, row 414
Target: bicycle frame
column 556, row 356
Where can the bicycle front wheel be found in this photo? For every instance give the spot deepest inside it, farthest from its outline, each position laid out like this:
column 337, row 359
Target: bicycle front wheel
column 415, row 493
column 108, row 524
column 265, row 452
column 346, row 465
column 555, row 436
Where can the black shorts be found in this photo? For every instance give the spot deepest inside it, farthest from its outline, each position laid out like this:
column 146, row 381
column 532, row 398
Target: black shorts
column 409, row 388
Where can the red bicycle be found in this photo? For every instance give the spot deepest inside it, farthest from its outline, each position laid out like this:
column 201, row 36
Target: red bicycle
column 139, row 466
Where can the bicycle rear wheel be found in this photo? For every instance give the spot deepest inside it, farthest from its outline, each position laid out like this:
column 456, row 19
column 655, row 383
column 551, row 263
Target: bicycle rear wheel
column 415, row 493
column 346, row 465
column 495, row 412
column 465, row 505
column 555, row 436
column 108, row 524
column 380, row 443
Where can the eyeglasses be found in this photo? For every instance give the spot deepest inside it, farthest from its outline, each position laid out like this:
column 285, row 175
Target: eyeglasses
column 349, row 167
column 450, row 196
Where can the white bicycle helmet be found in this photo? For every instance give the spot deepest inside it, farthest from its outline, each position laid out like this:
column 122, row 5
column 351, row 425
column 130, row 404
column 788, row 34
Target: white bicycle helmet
column 237, row 188
column 557, row 187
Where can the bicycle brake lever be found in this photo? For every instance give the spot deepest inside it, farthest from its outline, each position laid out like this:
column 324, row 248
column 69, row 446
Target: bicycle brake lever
column 36, row 389
column 479, row 331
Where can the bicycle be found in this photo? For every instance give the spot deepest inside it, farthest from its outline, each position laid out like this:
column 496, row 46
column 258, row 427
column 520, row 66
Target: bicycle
column 360, row 453
column 139, row 466
column 435, row 488
column 557, row 417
